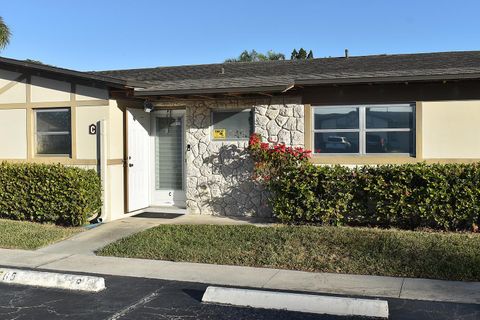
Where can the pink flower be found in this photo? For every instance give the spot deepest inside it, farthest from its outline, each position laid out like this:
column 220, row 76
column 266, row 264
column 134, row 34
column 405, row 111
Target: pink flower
column 254, row 139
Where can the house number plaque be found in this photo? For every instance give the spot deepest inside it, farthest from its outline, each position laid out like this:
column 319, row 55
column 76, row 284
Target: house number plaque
column 92, row 129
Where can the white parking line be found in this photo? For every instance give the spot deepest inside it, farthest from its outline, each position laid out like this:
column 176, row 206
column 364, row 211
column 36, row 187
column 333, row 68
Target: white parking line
column 132, row 307
column 297, row 302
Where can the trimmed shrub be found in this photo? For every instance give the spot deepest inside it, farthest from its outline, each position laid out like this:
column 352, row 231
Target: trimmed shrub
column 408, row 196
column 49, row 193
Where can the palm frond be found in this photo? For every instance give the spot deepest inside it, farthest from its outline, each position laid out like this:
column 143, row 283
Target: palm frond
column 4, row 34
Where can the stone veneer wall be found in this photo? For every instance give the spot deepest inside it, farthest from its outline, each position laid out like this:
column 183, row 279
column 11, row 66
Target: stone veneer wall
column 218, row 175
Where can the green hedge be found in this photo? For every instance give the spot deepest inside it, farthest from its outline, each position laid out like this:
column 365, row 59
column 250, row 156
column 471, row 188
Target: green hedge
column 410, row 196
column 48, row 193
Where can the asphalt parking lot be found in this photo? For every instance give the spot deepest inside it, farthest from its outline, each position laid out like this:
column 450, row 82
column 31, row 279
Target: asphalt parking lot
column 140, row 298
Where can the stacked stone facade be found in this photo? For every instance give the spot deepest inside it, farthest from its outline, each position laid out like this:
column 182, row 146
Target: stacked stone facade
column 218, row 176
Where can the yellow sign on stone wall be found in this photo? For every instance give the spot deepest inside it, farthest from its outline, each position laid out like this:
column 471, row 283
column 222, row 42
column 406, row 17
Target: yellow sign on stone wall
column 220, row 133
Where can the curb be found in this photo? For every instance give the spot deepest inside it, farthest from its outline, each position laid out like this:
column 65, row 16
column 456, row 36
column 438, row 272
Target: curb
column 248, row 277
column 298, row 302
column 52, row 280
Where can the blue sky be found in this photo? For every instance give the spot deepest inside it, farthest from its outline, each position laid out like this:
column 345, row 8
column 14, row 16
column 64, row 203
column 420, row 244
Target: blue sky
column 116, row 34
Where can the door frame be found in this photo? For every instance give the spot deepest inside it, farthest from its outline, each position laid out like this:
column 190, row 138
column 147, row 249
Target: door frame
column 153, row 192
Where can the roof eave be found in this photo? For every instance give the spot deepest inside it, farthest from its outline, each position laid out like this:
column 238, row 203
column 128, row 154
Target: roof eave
column 181, row 92
column 393, row 79
column 114, row 82
column 305, row 82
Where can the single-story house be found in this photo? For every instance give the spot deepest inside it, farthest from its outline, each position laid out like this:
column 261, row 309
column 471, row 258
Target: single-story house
column 175, row 136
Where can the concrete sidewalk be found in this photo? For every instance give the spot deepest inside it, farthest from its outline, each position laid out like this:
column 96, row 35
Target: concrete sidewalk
column 77, row 254
column 390, row 287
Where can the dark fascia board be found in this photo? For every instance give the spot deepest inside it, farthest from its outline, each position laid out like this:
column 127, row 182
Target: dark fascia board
column 71, row 73
column 306, row 82
column 142, row 92
column 465, row 76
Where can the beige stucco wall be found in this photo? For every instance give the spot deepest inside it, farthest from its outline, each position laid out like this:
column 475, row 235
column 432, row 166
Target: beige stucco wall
column 13, row 134
column 44, row 89
column 115, row 130
column 451, row 130
column 115, row 192
column 87, row 149
column 87, row 143
column 88, row 93
column 88, row 106
column 15, row 94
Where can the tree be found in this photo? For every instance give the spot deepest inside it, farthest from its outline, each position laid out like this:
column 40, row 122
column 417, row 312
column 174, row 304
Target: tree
column 272, row 55
column 294, row 54
column 34, row 61
column 254, row 56
column 301, row 54
column 4, row 34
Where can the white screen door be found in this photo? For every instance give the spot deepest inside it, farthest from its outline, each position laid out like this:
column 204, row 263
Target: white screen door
column 168, row 164
column 138, row 127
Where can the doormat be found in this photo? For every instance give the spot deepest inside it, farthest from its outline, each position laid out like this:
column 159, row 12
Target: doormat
column 158, row 215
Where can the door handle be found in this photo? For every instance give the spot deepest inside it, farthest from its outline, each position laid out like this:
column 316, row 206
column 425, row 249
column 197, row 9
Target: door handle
column 130, row 165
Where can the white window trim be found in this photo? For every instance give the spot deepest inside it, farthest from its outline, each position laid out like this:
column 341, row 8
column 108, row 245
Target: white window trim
column 252, row 128
column 362, row 130
column 57, row 133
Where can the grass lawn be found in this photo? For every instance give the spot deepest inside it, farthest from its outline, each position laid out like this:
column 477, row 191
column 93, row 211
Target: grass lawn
column 452, row 256
column 30, row 235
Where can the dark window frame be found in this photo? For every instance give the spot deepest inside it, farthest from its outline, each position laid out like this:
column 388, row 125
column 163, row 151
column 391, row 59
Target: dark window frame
column 362, row 130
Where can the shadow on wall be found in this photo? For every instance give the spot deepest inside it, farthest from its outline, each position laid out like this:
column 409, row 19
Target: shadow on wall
column 52, row 83
column 231, row 191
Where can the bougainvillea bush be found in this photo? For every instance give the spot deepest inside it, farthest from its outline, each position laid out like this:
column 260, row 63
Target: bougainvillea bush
column 407, row 196
column 273, row 159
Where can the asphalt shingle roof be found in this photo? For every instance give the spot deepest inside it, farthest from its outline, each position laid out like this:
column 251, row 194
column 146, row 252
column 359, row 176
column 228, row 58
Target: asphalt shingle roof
column 248, row 75
column 120, row 82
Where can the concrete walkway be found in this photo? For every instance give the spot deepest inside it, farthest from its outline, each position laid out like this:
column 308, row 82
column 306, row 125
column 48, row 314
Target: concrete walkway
column 77, row 255
column 89, row 241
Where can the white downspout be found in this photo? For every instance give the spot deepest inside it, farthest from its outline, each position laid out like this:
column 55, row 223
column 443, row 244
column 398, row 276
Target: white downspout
column 103, row 169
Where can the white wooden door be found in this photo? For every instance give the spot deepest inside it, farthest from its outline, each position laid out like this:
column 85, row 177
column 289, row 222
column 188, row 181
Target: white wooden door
column 168, row 165
column 138, row 160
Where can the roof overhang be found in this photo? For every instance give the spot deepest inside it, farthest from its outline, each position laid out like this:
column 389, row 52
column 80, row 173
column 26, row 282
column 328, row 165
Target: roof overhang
column 387, row 79
column 299, row 83
column 43, row 68
column 240, row 90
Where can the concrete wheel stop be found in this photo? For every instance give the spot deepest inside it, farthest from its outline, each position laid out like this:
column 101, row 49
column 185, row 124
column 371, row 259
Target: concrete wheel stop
column 52, row 280
column 308, row 303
